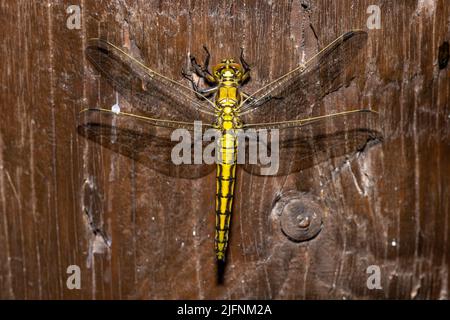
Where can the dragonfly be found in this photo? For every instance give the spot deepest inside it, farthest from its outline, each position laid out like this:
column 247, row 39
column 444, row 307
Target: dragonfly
column 289, row 104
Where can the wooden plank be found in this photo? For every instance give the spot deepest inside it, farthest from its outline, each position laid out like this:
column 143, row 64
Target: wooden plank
column 137, row 233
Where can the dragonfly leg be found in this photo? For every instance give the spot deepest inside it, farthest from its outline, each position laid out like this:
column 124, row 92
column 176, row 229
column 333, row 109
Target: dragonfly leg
column 189, row 77
column 203, row 71
column 245, row 65
column 243, row 62
column 206, row 92
column 206, row 64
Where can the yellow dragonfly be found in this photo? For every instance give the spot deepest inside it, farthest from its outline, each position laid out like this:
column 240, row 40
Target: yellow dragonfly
column 288, row 104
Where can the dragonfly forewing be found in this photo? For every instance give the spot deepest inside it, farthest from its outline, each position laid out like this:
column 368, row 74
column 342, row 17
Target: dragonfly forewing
column 297, row 94
column 146, row 90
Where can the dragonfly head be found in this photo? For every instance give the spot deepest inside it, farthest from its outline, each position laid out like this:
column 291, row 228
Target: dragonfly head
column 228, row 70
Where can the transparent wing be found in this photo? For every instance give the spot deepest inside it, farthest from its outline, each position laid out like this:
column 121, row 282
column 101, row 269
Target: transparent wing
column 294, row 95
column 146, row 90
column 305, row 143
column 145, row 140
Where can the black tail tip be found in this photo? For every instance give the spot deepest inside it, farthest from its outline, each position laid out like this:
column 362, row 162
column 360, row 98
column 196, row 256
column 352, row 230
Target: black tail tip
column 220, row 271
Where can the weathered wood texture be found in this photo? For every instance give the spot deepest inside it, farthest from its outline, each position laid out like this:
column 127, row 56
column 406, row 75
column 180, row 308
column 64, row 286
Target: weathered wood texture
column 136, row 233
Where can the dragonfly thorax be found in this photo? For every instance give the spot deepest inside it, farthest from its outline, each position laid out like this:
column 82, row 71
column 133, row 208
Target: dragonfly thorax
column 227, row 110
column 227, row 122
column 228, row 118
column 227, row 96
column 227, row 99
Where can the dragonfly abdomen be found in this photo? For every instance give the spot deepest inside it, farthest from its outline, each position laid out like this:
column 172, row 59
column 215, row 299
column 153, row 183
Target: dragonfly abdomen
column 226, row 176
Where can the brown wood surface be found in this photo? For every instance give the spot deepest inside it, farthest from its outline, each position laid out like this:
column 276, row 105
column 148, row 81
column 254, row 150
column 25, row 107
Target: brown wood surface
column 136, row 233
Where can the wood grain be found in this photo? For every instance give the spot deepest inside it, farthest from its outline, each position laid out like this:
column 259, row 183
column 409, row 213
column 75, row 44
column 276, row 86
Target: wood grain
column 136, row 233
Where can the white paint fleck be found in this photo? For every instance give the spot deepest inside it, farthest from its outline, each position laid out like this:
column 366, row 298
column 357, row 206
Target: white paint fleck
column 99, row 245
column 115, row 108
column 394, row 243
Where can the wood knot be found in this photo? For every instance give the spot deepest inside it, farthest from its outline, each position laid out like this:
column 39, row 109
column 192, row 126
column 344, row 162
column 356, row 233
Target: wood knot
column 300, row 215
